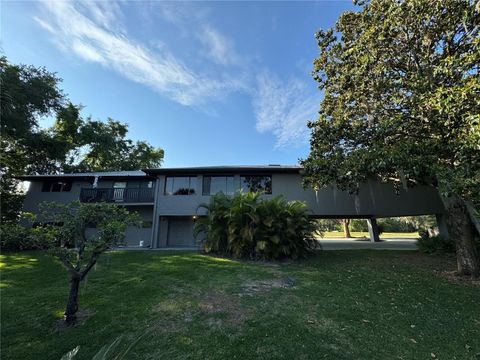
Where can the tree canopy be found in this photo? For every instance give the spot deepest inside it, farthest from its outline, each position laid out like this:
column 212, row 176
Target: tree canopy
column 402, row 97
column 402, row 103
column 30, row 94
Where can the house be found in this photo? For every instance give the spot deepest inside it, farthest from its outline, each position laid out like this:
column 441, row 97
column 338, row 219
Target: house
column 168, row 198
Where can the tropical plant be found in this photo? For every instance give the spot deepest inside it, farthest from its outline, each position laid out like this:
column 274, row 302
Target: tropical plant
column 248, row 226
column 76, row 248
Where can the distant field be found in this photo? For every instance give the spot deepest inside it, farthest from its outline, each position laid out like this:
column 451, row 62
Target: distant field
column 339, row 234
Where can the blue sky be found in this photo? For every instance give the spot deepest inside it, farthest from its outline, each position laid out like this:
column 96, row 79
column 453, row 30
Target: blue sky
column 212, row 83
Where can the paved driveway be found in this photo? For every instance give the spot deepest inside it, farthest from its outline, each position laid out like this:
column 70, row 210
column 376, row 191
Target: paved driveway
column 385, row 244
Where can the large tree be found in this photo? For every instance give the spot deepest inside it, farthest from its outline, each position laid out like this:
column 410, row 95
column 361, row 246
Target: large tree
column 402, row 103
column 29, row 94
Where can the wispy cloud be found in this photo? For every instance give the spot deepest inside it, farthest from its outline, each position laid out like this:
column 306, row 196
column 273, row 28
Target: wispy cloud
column 92, row 33
column 218, row 47
column 283, row 108
column 96, row 32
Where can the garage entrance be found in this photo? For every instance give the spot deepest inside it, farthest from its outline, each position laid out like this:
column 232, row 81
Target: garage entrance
column 180, row 232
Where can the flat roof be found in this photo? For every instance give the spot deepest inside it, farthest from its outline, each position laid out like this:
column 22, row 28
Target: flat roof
column 86, row 175
column 234, row 169
column 148, row 173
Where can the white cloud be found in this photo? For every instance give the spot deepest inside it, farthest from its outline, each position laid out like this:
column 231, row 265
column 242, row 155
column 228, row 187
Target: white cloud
column 95, row 32
column 283, row 108
column 218, row 47
column 92, row 33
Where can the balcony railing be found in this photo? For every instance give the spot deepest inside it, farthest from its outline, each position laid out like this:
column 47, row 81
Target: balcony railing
column 117, row 195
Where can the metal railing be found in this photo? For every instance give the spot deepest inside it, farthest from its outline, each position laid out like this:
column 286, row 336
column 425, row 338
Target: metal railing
column 120, row 195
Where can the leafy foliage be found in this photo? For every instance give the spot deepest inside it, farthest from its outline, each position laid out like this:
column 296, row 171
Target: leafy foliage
column 72, row 144
column 74, row 245
column 77, row 249
column 402, row 89
column 15, row 237
column 249, row 226
column 401, row 97
column 434, row 244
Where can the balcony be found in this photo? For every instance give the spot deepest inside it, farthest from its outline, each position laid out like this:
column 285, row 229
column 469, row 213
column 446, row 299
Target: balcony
column 116, row 195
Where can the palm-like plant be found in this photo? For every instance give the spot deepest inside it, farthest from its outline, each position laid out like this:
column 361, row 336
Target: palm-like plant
column 248, row 226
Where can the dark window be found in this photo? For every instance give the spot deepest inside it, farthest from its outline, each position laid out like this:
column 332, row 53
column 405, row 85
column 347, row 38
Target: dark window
column 215, row 184
column 180, row 185
column 57, row 186
column 255, row 183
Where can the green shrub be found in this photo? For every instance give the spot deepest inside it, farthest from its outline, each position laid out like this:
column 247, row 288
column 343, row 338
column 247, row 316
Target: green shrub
column 396, row 225
column 14, row 237
column 434, row 244
column 358, row 225
column 248, row 226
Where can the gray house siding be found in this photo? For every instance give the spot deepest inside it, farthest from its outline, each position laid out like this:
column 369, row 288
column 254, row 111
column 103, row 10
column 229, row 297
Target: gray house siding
column 172, row 216
column 374, row 200
column 134, row 236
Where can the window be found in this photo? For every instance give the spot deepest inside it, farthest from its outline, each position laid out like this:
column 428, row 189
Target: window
column 215, row 184
column 257, row 183
column 180, row 185
column 57, row 186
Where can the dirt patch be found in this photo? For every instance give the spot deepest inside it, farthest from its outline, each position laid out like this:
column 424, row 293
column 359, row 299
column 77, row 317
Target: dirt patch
column 453, row 277
column 266, row 285
column 217, row 302
column 82, row 317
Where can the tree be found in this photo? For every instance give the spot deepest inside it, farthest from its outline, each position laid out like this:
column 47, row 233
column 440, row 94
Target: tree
column 401, row 104
column 346, row 228
column 108, row 149
column 77, row 250
column 72, row 144
column 27, row 93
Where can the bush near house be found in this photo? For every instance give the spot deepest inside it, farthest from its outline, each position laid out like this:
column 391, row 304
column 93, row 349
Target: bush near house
column 15, row 237
column 248, row 226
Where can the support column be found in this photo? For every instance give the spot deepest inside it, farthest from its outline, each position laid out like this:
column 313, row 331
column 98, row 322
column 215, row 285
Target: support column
column 442, row 226
column 373, row 230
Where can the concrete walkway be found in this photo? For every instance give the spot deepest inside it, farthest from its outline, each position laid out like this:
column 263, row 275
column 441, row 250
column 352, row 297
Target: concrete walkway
column 385, row 244
column 327, row 244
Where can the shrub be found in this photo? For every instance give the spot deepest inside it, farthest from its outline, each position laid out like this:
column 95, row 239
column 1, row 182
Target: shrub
column 14, row 237
column 397, row 225
column 248, row 226
column 434, row 244
column 358, row 225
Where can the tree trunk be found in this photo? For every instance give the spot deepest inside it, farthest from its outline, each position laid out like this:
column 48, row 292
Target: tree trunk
column 72, row 305
column 346, row 228
column 462, row 231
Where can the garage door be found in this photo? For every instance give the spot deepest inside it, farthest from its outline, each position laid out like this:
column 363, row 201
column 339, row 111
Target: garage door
column 180, row 232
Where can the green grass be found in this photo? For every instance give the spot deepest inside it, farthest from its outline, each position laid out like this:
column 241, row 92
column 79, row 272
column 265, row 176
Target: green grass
column 336, row 305
column 356, row 234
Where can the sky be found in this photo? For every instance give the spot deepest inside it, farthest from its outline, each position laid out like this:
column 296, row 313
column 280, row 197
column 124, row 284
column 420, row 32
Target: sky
column 212, row 83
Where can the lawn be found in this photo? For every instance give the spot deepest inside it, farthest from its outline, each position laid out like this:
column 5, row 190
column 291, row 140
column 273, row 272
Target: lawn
column 336, row 305
column 360, row 234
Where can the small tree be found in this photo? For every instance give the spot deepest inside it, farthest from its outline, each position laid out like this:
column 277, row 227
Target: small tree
column 77, row 250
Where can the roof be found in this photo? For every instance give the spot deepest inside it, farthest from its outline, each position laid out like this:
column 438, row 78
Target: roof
column 238, row 169
column 87, row 175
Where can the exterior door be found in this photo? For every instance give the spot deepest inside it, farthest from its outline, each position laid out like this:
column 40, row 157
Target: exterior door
column 119, row 190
